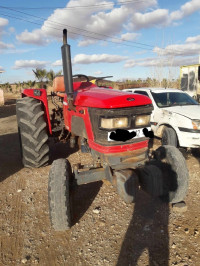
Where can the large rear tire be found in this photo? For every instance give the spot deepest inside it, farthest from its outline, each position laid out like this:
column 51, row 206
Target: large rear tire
column 59, row 192
column 32, row 129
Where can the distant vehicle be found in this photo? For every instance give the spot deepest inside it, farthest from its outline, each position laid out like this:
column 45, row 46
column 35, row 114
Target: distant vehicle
column 175, row 118
column 190, row 80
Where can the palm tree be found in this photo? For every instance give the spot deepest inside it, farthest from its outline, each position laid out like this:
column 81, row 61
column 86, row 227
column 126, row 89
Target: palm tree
column 51, row 75
column 40, row 74
column 30, row 83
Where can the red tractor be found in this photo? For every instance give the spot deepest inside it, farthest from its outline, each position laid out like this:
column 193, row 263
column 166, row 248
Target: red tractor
column 113, row 126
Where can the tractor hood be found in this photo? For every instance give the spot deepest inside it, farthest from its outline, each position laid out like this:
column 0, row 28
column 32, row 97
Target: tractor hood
column 108, row 98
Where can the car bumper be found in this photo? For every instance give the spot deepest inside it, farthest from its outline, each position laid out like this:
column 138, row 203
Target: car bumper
column 188, row 138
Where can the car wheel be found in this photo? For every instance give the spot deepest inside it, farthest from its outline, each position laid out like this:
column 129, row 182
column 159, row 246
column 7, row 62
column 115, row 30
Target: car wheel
column 169, row 137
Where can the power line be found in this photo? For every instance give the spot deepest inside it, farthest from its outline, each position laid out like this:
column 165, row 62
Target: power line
column 72, row 32
column 84, row 6
column 80, row 29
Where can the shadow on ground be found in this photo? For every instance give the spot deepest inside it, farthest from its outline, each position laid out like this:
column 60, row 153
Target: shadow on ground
column 10, row 101
column 82, row 198
column 196, row 154
column 193, row 152
column 60, row 150
column 7, row 110
column 10, row 158
column 147, row 234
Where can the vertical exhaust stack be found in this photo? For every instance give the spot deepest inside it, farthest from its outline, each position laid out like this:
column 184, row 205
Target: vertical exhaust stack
column 67, row 68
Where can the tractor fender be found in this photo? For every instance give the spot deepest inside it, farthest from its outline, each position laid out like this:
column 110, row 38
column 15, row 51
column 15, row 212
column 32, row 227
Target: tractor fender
column 40, row 94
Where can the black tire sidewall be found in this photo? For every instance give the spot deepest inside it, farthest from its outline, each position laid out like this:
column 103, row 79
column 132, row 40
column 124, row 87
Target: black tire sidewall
column 59, row 195
column 169, row 137
column 178, row 176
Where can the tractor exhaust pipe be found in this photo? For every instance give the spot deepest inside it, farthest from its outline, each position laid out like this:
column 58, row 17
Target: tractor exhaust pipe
column 67, row 67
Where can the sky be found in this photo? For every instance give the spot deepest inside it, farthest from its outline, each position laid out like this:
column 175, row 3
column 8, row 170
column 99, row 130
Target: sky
column 126, row 39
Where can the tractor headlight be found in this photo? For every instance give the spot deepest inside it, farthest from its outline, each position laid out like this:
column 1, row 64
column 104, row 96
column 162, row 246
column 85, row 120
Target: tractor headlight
column 120, row 122
column 196, row 124
column 142, row 120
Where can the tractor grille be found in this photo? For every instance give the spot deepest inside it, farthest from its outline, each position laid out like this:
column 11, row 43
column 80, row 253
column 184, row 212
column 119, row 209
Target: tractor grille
column 101, row 135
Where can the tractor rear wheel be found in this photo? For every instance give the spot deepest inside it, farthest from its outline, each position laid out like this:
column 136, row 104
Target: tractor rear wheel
column 59, row 194
column 32, row 129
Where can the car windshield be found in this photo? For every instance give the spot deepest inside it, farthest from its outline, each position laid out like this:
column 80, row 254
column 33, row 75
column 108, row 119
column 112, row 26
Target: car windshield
column 168, row 99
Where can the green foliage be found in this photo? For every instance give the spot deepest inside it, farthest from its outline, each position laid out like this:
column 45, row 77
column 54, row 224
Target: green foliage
column 40, row 74
column 51, row 75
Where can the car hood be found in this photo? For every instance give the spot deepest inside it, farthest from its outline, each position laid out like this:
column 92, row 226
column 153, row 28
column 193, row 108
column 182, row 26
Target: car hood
column 190, row 111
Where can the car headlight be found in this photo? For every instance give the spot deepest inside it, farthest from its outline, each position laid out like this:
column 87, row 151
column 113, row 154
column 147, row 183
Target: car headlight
column 196, row 124
column 142, row 120
column 120, row 122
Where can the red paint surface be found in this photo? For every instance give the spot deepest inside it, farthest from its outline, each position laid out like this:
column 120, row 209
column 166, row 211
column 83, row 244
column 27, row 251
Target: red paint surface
column 107, row 98
column 118, row 148
column 43, row 99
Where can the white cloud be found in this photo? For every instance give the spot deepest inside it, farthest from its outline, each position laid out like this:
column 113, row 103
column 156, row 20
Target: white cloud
column 29, row 63
column 57, row 63
column 6, row 45
column 35, row 37
column 129, row 36
column 179, row 49
column 98, row 72
column 162, row 62
column 130, row 63
column 193, row 39
column 86, row 42
column 11, row 29
column 97, row 58
column 1, row 69
column 3, row 22
column 187, row 9
column 156, row 18
column 104, row 19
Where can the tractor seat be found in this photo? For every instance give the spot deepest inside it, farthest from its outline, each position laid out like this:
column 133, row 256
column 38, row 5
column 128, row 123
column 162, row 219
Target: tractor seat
column 59, row 86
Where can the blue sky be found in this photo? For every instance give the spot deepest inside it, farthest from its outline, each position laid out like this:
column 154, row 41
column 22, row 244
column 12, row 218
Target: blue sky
column 126, row 39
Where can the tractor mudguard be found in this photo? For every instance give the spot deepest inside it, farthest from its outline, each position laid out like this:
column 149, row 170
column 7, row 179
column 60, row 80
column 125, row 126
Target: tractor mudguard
column 40, row 94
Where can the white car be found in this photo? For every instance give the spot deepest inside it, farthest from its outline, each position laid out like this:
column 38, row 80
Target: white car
column 175, row 118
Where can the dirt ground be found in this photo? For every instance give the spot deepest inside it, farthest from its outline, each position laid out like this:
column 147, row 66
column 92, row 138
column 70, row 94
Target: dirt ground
column 106, row 230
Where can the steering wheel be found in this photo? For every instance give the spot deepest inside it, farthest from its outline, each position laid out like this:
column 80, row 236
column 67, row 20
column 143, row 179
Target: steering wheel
column 81, row 75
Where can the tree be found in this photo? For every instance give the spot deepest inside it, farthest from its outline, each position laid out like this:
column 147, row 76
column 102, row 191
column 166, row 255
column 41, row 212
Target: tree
column 30, row 83
column 51, row 75
column 40, row 74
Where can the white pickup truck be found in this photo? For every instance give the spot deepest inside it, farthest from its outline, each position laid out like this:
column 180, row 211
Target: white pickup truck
column 175, row 118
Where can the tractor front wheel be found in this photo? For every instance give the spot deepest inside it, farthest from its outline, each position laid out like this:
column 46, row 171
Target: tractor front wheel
column 59, row 193
column 175, row 173
column 166, row 176
column 32, row 129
